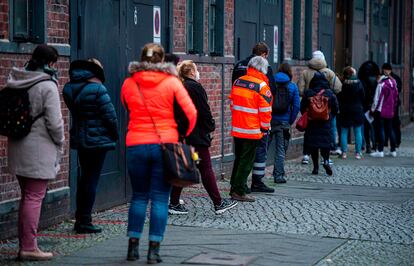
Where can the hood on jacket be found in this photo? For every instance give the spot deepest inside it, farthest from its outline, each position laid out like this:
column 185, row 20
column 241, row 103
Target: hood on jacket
column 281, row 77
column 82, row 70
column 257, row 74
column 154, row 73
column 317, row 63
column 19, row 78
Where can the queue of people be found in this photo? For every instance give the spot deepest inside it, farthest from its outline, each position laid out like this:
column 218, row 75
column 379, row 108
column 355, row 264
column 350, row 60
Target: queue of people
column 166, row 103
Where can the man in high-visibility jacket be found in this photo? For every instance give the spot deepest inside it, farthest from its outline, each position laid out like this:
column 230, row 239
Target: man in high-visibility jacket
column 251, row 109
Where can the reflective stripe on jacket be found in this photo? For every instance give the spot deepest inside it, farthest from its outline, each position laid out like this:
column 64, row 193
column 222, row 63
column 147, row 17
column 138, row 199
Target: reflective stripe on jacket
column 251, row 105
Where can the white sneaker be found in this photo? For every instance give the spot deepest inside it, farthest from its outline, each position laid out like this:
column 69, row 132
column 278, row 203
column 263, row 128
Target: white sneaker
column 393, row 154
column 338, row 151
column 329, row 161
column 378, row 154
column 305, row 159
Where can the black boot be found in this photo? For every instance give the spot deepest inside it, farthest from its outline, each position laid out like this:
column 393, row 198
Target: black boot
column 88, row 228
column 133, row 244
column 328, row 168
column 154, row 253
column 315, row 171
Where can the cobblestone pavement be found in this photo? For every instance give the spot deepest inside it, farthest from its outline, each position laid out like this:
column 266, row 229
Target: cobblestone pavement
column 369, row 203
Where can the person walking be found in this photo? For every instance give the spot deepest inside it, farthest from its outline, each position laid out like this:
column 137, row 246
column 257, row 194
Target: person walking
column 259, row 166
column 148, row 96
column 46, row 138
column 284, row 113
column 93, row 133
column 383, row 109
column 318, row 64
column 318, row 134
column 368, row 74
column 200, row 138
column 396, row 121
column 251, row 107
column 351, row 111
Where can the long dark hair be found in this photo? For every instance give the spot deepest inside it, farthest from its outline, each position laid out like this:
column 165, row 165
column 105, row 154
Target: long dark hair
column 42, row 55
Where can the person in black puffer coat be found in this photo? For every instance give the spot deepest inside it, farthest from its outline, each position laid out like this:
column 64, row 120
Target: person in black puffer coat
column 318, row 133
column 351, row 111
column 94, row 131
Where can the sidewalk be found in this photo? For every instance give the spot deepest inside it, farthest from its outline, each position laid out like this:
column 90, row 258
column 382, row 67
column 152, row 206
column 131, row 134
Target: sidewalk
column 362, row 215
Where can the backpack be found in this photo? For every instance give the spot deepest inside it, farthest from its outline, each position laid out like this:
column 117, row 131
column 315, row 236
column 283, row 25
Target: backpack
column 281, row 99
column 319, row 107
column 15, row 119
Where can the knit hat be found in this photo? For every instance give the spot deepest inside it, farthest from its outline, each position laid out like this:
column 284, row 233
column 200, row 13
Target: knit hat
column 318, row 54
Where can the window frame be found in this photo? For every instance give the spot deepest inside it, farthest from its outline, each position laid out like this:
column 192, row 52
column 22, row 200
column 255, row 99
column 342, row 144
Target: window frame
column 36, row 22
column 216, row 27
column 308, row 28
column 194, row 27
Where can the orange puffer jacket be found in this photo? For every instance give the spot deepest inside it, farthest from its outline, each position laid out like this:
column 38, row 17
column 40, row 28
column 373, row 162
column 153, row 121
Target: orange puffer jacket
column 159, row 86
column 251, row 105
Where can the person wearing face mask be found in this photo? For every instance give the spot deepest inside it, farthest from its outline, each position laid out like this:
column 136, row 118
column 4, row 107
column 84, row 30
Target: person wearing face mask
column 200, row 138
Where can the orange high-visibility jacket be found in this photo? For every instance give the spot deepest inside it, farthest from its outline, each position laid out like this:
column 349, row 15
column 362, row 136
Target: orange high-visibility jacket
column 251, row 105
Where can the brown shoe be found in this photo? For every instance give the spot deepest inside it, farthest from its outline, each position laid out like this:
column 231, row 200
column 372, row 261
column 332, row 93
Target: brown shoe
column 245, row 197
column 35, row 255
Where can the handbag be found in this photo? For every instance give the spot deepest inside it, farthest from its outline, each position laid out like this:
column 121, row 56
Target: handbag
column 179, row 160
column 302, row 122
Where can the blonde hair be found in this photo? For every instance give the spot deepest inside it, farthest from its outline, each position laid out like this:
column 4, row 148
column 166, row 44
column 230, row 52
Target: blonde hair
column 184, row 68
column 152, row 53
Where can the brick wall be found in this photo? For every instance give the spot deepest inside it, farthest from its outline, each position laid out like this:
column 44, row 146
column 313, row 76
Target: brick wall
column 58, row 33
column 179, row 26
column 4, row 20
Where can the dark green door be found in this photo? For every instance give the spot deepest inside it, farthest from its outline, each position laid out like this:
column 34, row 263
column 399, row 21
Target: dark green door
column 379, row 42
column 359, row 33
column 114, row 32
column 258, row 20
column 327, row 29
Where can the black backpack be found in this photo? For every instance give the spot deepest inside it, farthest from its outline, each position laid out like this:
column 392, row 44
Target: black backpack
column 281, row 99
column 15, row 119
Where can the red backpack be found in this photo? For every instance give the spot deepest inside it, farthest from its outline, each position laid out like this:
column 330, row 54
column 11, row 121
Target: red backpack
column 319, row 107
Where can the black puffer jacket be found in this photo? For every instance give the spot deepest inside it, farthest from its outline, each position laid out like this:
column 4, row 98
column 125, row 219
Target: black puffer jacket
column 351, row 99
column 367, row 74
column 205, row 121
column 94, row 121
column 318, row 134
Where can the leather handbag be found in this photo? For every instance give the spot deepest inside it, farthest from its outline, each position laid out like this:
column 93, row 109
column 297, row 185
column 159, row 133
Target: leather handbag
column 302, row 122
column 180, row 160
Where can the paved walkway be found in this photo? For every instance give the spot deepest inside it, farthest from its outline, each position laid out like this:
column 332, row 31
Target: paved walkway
column 362, row 215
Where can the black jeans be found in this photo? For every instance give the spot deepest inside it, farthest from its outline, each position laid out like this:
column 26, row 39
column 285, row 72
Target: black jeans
column 384, row 127
column 91, row 162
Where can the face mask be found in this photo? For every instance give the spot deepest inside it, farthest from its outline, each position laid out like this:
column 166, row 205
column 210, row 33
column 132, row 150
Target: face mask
column 197, row 77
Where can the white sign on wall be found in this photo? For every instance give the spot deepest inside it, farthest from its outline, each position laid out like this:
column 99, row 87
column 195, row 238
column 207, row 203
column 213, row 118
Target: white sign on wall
column 275, row 44
column 157, row 24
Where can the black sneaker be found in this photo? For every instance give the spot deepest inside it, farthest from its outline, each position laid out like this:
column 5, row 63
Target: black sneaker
column 177, row 209
column 226, row 204
column 86, row 229
column 262, row 188
column 280, row 180
column 328, row 169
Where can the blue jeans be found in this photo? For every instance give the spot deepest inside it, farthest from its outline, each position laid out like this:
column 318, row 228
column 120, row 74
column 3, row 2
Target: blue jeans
column 334, row 130
column 358, row 138
column 281, row 134
column 145, row 168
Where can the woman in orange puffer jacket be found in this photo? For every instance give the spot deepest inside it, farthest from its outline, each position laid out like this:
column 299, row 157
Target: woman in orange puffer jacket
column 148, row 95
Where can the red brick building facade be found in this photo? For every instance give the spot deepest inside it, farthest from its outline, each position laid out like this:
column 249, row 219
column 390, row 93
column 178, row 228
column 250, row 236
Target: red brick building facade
column 213, row 33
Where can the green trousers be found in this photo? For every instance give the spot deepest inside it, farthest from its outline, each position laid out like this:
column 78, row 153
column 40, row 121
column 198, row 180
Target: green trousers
column 245, row 152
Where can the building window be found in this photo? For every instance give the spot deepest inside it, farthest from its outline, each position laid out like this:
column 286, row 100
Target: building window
column 216, row 27
column 359, row 13
column 195, row 21
column 296, row 28
column 28, row 20
column 308, row 28
column 396, row 32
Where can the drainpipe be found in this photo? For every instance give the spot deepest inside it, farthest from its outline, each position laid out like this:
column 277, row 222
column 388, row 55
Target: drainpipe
column 222, row 121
